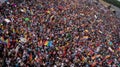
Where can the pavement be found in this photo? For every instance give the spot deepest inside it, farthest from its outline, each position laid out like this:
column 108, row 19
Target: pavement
column 117, row 10
column 113, row 8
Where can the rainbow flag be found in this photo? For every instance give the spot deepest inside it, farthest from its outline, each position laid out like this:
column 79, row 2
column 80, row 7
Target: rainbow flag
column 48, row 43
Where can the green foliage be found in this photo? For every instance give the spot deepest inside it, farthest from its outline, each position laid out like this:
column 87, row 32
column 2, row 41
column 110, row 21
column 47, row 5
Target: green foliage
column 114, row 2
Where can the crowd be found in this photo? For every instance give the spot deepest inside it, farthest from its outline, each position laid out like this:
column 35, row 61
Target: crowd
column 58, row 33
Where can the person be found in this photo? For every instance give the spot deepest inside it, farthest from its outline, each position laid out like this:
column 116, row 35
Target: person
column 58, row 33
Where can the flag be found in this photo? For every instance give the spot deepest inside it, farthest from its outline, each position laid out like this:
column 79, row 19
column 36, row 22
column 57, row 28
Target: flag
column 46, row 43
column 50, row 44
